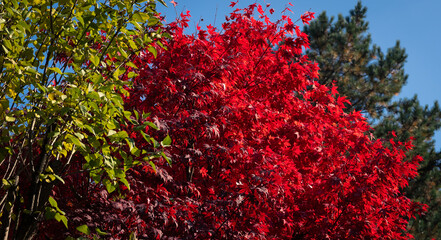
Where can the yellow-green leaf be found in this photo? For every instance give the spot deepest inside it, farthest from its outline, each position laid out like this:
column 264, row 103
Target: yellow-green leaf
column 133, row 45
column 95, row 60
column 53, row 202
column 153, row 51
column 55, row 69
column 167, row 141
column 84, row 229
column 10, row 119
column 101, row 232
column 75, row 141
column 141, row 17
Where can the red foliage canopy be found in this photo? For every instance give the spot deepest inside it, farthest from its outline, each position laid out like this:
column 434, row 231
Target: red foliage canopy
column 260, row 150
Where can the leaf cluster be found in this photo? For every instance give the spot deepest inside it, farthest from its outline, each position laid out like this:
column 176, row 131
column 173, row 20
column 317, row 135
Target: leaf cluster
column 61, row 99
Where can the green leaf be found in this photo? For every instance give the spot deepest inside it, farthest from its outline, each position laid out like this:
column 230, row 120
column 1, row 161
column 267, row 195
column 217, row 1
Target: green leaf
column 145, row 136
column 84, row 229
column 125, row 182
column 135, row 151
column 50, row 213
column 111, row 133
column 93, row 95
column 111, row 125
column 153, row 51
column 55, row 69
column 10, row 119
column 146, row 115
column 106, row 150
column 59, row 178
column 123, row 53
column 61, row 218
column 110, row 186
column 166, row 142
column 117, row 73
column 57, row 217
column 95, row 60
column 153, row 22
column 166, row 158
column 132, row 44
column 79, row 135
column 141, row 17
column 136, row 114
column 52, row 202
column 131, row 143
column 131, row 64
column 101, row 232
column 8, row 44
column 132, row 75
column 6, row 184
column 155, row 143
column 76, row 141
column 153, row 165
column 152, row 125
column 162, row 2
column 90, row 129
column 118, row 136
column 4, row 104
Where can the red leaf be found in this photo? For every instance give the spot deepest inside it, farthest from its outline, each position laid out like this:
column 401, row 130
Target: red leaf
column 260, row 10
column 306, row 17
column 203, row 172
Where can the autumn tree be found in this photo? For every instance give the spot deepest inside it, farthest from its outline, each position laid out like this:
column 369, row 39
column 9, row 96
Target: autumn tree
column 61, row 99
column 370, row 78
column 260, row 149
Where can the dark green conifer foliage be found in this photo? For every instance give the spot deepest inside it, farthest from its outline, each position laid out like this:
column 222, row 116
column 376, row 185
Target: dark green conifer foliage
column 366, row 75
column 370, row 78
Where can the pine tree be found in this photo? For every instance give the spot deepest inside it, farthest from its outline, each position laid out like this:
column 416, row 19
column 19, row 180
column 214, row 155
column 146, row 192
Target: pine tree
column 366, row 75
column 408, row 118
column 370, row 79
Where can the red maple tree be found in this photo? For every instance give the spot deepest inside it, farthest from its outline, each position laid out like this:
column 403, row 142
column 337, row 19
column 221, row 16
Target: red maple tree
column 260, row 150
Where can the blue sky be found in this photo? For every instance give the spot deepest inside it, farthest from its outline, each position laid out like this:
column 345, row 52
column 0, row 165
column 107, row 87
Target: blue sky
column 417, row 24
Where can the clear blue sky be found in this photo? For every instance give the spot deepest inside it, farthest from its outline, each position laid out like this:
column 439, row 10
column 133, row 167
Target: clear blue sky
column 417, row 24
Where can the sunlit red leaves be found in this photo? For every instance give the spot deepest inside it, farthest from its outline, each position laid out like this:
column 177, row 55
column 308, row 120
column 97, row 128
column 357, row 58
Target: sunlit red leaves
column 306, row 17
column 260, row 10
column 233, row 3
